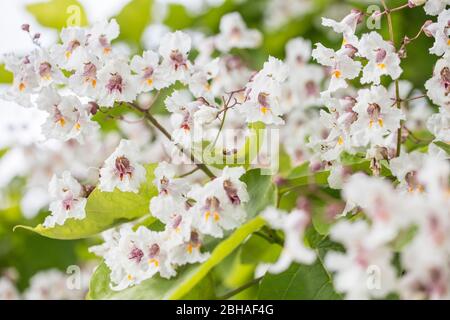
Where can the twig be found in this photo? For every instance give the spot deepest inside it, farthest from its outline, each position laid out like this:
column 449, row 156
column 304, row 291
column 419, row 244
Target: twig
column 240, row 289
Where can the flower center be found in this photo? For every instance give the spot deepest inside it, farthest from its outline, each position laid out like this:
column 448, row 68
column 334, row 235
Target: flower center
column 178, row 59
column 45, row 70
column 136, row 254
column 231, row 192
column 123, row 167
column 115, row 83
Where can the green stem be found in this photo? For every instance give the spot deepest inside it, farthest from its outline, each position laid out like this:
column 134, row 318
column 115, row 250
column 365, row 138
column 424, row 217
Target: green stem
column 240, row 289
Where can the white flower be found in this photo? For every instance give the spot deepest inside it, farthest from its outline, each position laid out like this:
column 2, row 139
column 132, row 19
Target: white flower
column 84, row 81
column 377, row 116
column 72, row 51
column 383, row 60
column 174, row 49
column 7, row 290
column 25, row 79
column 347, row 26
column 298, row 52
column 134, row 256
column 438, row 87
column 363, row 271
column 341, row 63
column 234, row 34
column 172, row 193
column 406, row 167
column 122, row 170
column 67, row 200
column 263, row 94
column 117, row 83
column 219, row 203
column 439, row 125
column 199, row 83
column 441, row 34
column 293, row 225
column 189, row 251
column 100, row 37
column 67, row 119
column 147, row 69
column 388, row 210
column 434, row 7
column 47, row 69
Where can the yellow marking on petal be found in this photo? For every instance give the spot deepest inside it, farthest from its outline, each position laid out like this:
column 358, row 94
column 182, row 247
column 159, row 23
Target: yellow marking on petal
column 94, row 83
column 62, row 122
column 448, row 42
column 189, row 248
column 68, row 54
column 264, row 110
column 178, row 230
column 21, row 86
column 77, row 126
column 129, row 277
column 344, row 41
column 340, row 141
column 207, row 215
column 47, row 78
column 382, row 66
column 149, row 81
column 207, row 87
column 216, row 216
column 154, row 261
column 337, row 74
column 370, row 124
column 106, row 50
column 380, row 122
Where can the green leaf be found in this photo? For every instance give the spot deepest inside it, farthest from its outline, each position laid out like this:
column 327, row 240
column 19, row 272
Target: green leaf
column 179, row 287
column 177, row 17
column 444, row 146
column 104, row 210
column 262, row 191
column 5, row 75
column 297, row 283
column 58, row 14
column 256, row 250
column 133, row 19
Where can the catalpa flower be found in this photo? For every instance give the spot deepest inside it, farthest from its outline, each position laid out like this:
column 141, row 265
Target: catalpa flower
column 147, row 69
column 406, row 168
column 67, row 119
column 439, row 125
column 25, row 79
column 377, row 116
column 116, row 83
column 441, row 33
column 434, row 7
column 234, row 34
column 122, row 170
column 298, row 52
column 189, row 251
column 263, row 94
column 218, row 204
column 293, row 225
column 383, row 60
column 174, row 49
column 100, row 36
column 67, row 200
column 353, row 269
column 200, row 81
column 47, row 69
column 438, row 87
column 341, row 63
column 84, row 81
column 347, row 26
column 72, row 51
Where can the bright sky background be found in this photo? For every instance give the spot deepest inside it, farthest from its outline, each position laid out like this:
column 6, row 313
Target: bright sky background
column 12, row 39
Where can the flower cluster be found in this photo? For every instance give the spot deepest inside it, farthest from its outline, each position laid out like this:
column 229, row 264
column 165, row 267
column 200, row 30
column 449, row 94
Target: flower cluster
column 189, row 213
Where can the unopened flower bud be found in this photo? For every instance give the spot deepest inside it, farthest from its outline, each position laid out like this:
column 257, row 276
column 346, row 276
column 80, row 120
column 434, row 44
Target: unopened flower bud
column 25, row 27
